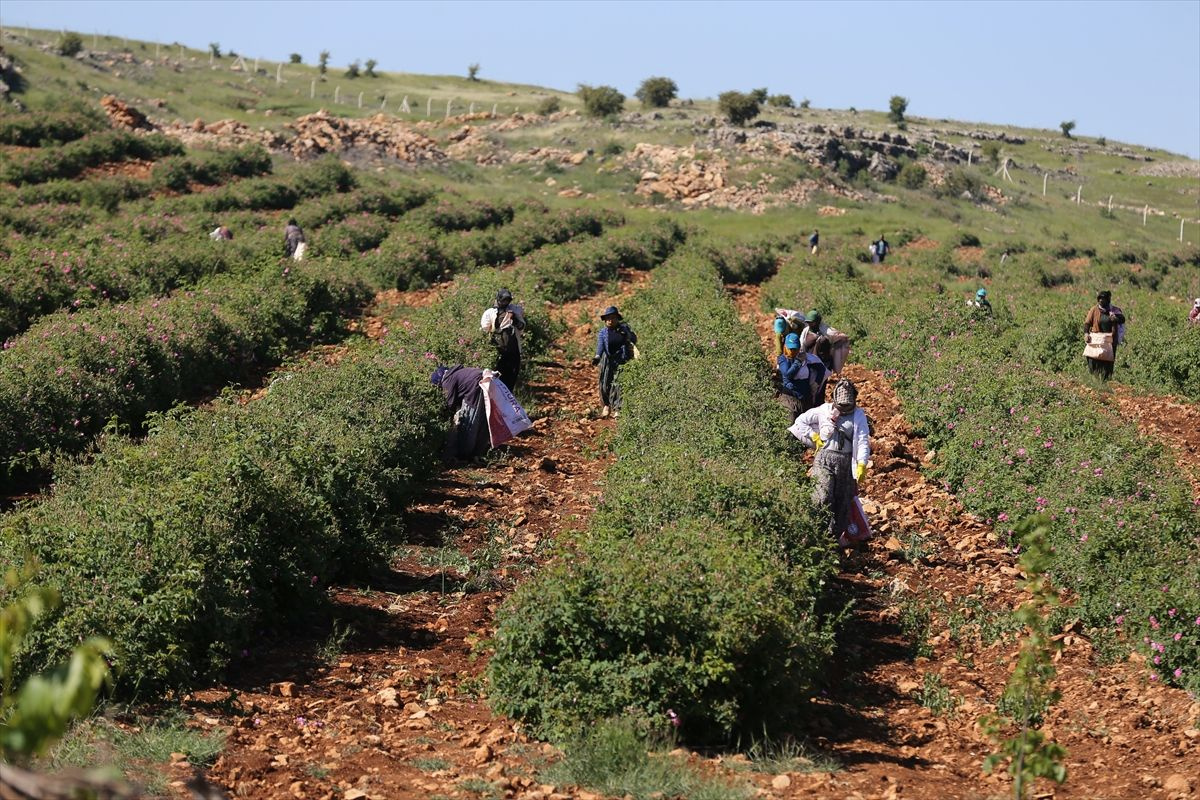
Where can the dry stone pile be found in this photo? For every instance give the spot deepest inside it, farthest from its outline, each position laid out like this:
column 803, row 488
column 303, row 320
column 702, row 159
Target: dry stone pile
column 322, row 132
column 124, row 116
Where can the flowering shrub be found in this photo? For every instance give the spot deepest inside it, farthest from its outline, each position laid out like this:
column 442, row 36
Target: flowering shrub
column 69, row 160
column 700, row 586
column 68, row 376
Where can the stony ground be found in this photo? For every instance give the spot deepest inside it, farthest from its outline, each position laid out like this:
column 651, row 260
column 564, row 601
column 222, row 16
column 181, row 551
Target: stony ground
column 389, row 702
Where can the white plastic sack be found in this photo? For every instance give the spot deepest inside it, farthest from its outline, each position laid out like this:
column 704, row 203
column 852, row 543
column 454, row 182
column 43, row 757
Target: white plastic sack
column 299, row 254
column 506, row 419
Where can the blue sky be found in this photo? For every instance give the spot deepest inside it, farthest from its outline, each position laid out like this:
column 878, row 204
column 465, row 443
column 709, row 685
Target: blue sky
column 1126, row 70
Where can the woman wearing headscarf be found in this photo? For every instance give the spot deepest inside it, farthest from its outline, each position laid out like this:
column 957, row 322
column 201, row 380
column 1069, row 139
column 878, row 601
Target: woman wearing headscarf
column 1194, row 314
column 839, row 432
column 464, row 398
column 504, row 322
column 614, row 346
column 1104, row 327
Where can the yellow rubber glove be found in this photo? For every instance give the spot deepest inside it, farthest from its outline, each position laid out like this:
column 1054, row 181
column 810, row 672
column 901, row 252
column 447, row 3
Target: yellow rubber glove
column 859, row 470
column 816, row 437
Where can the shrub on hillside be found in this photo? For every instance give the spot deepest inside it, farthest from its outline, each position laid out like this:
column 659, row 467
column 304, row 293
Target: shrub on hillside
column 601, row 101
column 656, row 92
column 896, row 108
column 38, row 129
column 912, row 175
column 548, row 106
column 737, row 107
column 781, row 101
column 70, row 44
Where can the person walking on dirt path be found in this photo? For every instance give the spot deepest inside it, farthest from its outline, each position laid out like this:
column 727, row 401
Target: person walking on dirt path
column 787, row 321
column 464, row 397
column 981, row 303
column 828, row 343
column 1104, row 328
column 615, row 345
column 795, row 392
column 840, row 434
column 293, row 241
column 1194, row 314
column 814, row 241
column 879, row 250
column 504, row 322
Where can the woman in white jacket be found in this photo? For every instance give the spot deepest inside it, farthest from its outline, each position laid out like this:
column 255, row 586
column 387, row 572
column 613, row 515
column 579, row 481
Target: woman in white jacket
column 839, row 432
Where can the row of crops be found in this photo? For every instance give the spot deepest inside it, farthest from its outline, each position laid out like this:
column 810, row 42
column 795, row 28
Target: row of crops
column 185, row 545
column 1016, row 432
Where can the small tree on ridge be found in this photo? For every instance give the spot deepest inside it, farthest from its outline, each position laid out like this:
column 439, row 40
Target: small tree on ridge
column 601, row 101
column 896, row 108
column 656, row 92
column 740, row 108
column 1067, row 126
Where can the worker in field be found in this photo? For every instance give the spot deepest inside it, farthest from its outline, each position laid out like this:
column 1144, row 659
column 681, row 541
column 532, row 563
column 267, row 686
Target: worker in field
column 839, row 432
column 981, row 303
column 828, row 343
column 814, row 241
column 1194, row 314
column 787, row 321
column 464, row 398
column 879, row 250
column 801, row 377
column 1104, row 328
column 221, row 234
column 616, row 344
column 294, row 244
column 504, row 323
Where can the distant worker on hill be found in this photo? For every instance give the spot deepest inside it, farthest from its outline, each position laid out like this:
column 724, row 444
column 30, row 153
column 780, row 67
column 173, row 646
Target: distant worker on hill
column 1104, row 328
column 616, row 344
column 293, row 241
column 221, row 233
column 879, row 250
column 814, row 241
column 841, row 435
column 1194, row 314
column 981, row 303
column 504, row 322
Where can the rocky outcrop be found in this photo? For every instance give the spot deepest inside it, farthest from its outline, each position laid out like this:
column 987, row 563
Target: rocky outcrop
column 124, row 116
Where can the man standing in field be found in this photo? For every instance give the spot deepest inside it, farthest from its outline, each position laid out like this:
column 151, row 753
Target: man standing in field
column 293, row 241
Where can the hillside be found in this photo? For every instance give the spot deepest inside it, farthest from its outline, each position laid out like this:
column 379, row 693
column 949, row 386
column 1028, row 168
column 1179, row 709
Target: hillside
column 234, row 466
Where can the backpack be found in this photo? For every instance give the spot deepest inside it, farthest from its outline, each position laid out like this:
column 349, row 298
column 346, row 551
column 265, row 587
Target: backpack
column 505, row 339
column 871, row 248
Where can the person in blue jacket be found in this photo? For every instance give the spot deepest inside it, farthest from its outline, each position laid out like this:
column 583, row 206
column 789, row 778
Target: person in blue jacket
column 795, row 376
column 614, row 346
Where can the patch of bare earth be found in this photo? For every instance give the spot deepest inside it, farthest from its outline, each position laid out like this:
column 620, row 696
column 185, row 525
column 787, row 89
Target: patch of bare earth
column 1125, row 737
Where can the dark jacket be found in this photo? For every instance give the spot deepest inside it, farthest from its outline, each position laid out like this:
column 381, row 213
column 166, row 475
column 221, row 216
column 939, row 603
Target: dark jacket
column 1101, row 321
column 617, row 342
column 461, row 384
column 292, row 237
column 793, row 375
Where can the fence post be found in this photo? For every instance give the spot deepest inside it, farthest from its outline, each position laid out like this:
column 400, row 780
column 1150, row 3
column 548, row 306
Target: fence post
column 404, row 106
column 256, row 66
column 968, row 156
column 1079, row 195
column 360, row 94
column 448, row 102
column 1145, row 211
column 181, row 52
column 1045, row 178
column 1110, row 204
column 471, row 110
column 429, row 107
column 279, row 73
column 211, row 57
column 384, row 103
column 493, row 109
column 1181, row 221
column 312, row 89
column 337, row 90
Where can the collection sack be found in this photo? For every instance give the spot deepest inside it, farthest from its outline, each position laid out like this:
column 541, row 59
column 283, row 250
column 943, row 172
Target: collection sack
column 1099, row 346
column 505, row 417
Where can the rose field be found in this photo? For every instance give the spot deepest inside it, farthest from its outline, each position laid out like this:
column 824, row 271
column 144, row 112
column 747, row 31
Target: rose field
column 225, row 471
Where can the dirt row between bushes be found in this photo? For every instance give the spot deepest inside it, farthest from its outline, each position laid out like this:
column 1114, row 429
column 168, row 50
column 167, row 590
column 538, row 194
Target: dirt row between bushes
column 904, row 724
column 398, row 709
column 1173, row 422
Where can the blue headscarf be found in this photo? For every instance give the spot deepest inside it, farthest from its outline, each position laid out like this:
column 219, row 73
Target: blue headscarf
column 438, row 374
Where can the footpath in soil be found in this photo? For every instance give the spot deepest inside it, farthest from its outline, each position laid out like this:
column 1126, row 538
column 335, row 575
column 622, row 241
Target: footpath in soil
column 1125, row 738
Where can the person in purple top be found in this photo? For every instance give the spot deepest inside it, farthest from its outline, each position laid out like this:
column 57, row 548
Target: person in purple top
column 464, row 398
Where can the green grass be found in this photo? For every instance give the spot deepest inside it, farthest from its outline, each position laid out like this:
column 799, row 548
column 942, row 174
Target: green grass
column 789, row 755
column 138, row 750
column 613, row 758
